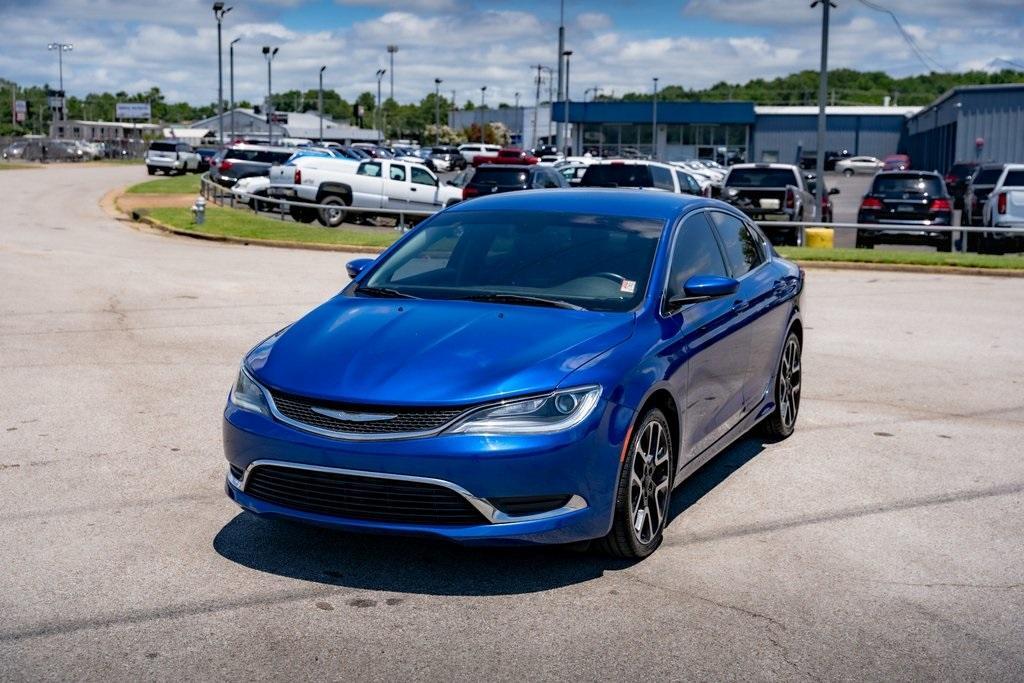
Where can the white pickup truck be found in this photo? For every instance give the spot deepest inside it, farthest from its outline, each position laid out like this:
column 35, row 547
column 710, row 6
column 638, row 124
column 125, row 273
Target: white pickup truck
column 1004, row 208
column 369, row 184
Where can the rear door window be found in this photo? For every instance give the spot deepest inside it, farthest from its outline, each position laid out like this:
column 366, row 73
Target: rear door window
column 741, row 249
column 1014, row 179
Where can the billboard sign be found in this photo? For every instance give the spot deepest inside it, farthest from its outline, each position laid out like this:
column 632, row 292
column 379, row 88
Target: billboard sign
column 20, row 110
column 132, row 110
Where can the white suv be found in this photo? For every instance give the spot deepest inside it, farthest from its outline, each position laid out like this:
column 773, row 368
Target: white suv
column 470, row 151
column 171, row 156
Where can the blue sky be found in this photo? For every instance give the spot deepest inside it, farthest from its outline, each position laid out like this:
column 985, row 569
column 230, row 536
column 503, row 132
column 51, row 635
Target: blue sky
column 618, row 46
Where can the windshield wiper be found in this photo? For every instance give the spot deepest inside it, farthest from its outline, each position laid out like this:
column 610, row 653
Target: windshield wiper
column 385, row 292
column 521, row 299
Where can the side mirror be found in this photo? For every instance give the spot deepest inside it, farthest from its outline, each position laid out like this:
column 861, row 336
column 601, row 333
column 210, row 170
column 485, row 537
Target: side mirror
column 357, row 266
column 704, row 287
column 833, row 190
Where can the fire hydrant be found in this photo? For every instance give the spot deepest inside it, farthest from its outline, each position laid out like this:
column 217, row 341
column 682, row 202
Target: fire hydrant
column 199, row 210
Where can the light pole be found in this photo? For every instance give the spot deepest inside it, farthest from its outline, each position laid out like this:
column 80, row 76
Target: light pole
column 377, row 112
column 551, row 96
column 536, row 107
column 61, row 48
column 437, row 111
column 819, row 162
column 654, row 121
column 594, row 92
column 561, row 53
column 231, row 81
column 320, row 103
column 565, row 136
column 483, row 93
column 519, row 127
column 218, row 12
column 269, row 53
column 392, row 49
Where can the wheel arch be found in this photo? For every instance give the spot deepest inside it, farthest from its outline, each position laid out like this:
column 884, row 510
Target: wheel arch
column 336, row 189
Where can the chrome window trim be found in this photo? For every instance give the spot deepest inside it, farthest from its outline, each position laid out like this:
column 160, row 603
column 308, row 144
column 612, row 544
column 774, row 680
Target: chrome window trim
column 491, row 513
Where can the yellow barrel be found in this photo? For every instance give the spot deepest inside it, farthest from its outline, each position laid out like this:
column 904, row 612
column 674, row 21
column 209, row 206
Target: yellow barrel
column 819, row 238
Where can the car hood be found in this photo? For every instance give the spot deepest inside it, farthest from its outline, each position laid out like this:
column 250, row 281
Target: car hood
column 430, row 352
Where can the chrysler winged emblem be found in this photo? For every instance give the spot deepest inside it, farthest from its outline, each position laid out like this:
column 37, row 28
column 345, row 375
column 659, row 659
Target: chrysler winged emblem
column 352, row 417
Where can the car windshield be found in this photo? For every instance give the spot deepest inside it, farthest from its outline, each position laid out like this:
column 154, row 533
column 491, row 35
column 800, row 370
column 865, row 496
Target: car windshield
column 760, row 177
column 599, row 263
column 1014, row 179
column 617, row 175
column 988, row 176
column 961, row 171
column 892, row 185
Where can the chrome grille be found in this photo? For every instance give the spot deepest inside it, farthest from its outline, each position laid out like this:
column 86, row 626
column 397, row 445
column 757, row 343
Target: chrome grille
column 389, row 419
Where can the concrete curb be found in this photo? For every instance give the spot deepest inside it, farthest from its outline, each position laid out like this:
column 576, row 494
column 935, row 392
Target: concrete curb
column 908, row 268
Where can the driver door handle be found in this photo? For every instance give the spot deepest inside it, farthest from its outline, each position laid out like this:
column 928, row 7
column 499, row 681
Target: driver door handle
column 740, row 305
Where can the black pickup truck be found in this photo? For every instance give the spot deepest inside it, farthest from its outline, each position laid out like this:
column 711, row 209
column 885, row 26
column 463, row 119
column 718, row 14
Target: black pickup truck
column 768, row 192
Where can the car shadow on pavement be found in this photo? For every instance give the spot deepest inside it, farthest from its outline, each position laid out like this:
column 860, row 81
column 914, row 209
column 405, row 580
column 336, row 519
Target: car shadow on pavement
column 714, row 472
column 433, row 566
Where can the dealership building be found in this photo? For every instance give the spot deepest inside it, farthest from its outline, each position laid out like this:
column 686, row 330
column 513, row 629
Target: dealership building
column 971, row 123
column 246, row 123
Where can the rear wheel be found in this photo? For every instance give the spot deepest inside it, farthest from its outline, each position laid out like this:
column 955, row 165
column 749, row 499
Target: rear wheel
column 864, row 242
column 847, row 172
column 150, row 170
column 644, row 490
column 333, row 213
column 782, row 421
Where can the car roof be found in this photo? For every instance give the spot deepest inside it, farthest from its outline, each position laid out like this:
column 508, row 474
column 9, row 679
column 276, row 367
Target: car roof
column 909, row 172
column 755, row 165
column 654, row 205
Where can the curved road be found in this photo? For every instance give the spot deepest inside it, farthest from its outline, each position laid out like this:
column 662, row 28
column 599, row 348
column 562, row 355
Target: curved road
column 882, row 541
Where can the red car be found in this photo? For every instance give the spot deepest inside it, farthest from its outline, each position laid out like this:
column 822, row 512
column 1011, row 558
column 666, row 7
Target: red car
column 896, row 162
column 509, row 155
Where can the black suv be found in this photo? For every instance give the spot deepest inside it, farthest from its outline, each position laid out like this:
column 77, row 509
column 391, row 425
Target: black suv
column 451, row 156
column 494, row 178
column 897, row 198
column 245, row 161
column 957, row 177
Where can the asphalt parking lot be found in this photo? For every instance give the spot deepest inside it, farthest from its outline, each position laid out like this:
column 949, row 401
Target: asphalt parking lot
column 882, row 541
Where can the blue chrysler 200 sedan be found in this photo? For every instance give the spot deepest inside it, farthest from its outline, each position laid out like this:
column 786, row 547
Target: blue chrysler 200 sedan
column 534, row 367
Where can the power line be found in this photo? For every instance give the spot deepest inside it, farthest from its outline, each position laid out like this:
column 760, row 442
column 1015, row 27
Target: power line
column 906, row 36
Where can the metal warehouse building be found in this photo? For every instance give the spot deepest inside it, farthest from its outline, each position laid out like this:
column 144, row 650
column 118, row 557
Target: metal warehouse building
column 731, row 131
column 972, row 123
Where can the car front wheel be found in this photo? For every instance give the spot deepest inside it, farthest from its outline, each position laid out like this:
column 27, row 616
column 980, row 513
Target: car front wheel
column 333, row 213
column 644, row 490
column 782, row 421
column 847, row 172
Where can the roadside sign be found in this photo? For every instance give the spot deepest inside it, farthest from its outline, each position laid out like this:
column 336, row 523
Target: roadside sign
column 20, row 110
column 132, row 110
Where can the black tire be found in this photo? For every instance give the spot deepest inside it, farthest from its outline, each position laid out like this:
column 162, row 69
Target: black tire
column 150, row 170
column 848, row 172
column 863, row 242
column 333, row 214
column 945, row 245
column 782, row 421
column 301, row 214
column 644, row 490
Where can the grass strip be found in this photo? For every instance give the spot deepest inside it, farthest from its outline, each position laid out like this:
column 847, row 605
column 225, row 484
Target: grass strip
column 181, row 184
column 243, row 225
column 911, row 258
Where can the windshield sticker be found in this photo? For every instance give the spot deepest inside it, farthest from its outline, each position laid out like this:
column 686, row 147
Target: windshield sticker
column 628, row 286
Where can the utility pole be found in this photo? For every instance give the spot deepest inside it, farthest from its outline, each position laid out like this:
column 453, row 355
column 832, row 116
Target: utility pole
column 218, row 12
column 231, row 70
column 320, row 103
column 819, row 163
column 437, row 111
column 561, row 52
column 392, row 49
column 654, row 121
column 565, row 135
column 269, row 54
column 536, row 108
column 377, row 114
column 483, row 93
column 61, row 48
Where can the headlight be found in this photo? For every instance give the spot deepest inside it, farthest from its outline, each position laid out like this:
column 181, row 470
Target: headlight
column 248, row 395
column 544, row 414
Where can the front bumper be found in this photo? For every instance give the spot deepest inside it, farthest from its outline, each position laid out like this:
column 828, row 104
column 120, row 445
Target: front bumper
column 582, row 462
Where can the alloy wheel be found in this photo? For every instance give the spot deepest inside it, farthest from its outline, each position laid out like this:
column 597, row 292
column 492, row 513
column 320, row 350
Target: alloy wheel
column 789, row 382
column 649, row 482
